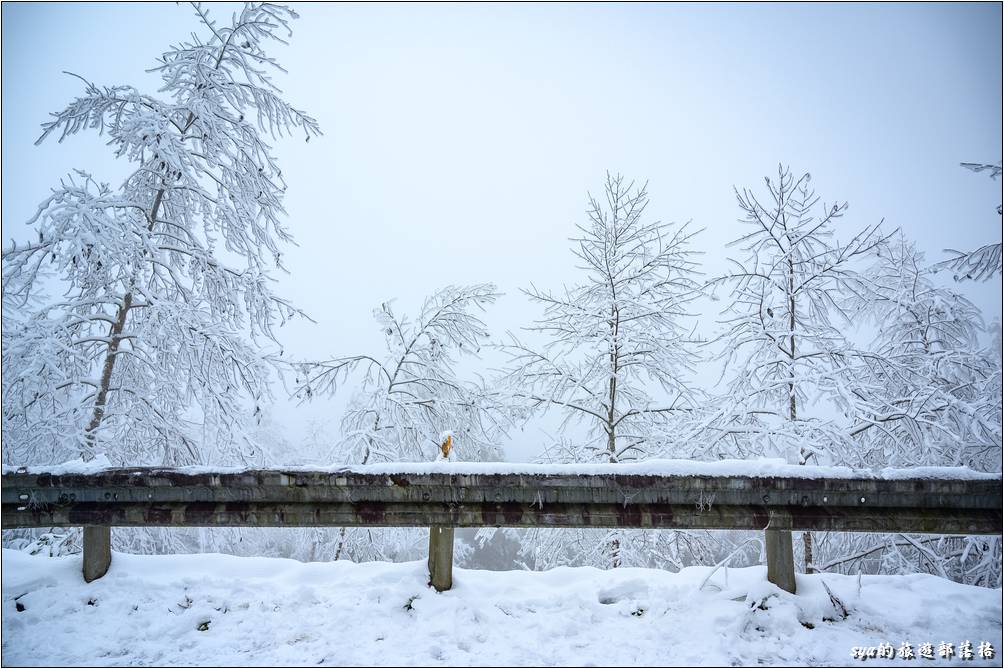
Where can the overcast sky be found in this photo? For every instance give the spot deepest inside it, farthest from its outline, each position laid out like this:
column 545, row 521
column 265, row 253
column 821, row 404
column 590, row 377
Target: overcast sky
column 461, row 140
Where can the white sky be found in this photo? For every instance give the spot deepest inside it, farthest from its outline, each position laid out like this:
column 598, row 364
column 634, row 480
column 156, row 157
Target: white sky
column 460, row 140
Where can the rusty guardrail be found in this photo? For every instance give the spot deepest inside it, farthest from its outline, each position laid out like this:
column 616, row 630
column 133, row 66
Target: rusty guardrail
column 466, row 497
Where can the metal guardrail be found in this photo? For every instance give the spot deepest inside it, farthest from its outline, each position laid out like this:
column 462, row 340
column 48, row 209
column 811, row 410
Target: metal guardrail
column 347, row 498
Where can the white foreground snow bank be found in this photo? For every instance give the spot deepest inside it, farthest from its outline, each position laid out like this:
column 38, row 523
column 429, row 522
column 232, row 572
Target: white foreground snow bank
column 224, row 610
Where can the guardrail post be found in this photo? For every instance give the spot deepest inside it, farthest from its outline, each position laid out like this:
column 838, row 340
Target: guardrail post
column 97, row 551
column 780, row 559
column 441, row 558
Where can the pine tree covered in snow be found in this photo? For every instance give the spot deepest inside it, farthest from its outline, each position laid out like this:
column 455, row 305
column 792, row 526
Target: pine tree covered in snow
column 142, row 354
column 615, row 355
column 408, row 397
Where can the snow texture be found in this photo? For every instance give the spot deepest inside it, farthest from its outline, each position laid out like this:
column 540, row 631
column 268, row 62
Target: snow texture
column 764, row 467
column 222, row 610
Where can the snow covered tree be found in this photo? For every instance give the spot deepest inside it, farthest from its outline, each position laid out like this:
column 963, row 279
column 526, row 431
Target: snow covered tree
column 408, row 397
column 985, row 261
column 142, row 356
column 783, row 341
column 927, row 394
column 616, row 336
column 611, row 342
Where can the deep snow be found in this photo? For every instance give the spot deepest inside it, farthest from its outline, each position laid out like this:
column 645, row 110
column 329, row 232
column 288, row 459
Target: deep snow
column 224, row 610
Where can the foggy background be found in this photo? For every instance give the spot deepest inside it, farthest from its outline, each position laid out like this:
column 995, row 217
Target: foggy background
column 460, row 140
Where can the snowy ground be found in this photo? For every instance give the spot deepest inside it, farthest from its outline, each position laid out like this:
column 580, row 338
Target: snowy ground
column 223, row 610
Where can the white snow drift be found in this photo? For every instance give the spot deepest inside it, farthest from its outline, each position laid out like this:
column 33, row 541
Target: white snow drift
column 223, row 610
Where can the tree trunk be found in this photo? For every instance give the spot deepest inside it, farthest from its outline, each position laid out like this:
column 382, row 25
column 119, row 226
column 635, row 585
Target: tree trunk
column 611, row 426
column 115, row 337
column 807, row 546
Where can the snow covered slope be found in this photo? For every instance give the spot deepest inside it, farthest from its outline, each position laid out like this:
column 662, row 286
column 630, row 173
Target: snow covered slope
column 223, row 610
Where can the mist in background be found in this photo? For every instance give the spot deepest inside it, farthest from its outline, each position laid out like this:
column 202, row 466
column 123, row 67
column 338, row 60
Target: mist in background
column 461, row 140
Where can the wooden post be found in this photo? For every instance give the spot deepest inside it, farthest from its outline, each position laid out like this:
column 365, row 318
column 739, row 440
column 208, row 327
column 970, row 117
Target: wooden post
column 97, row 551
column 780, row 559
column 441, row 558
